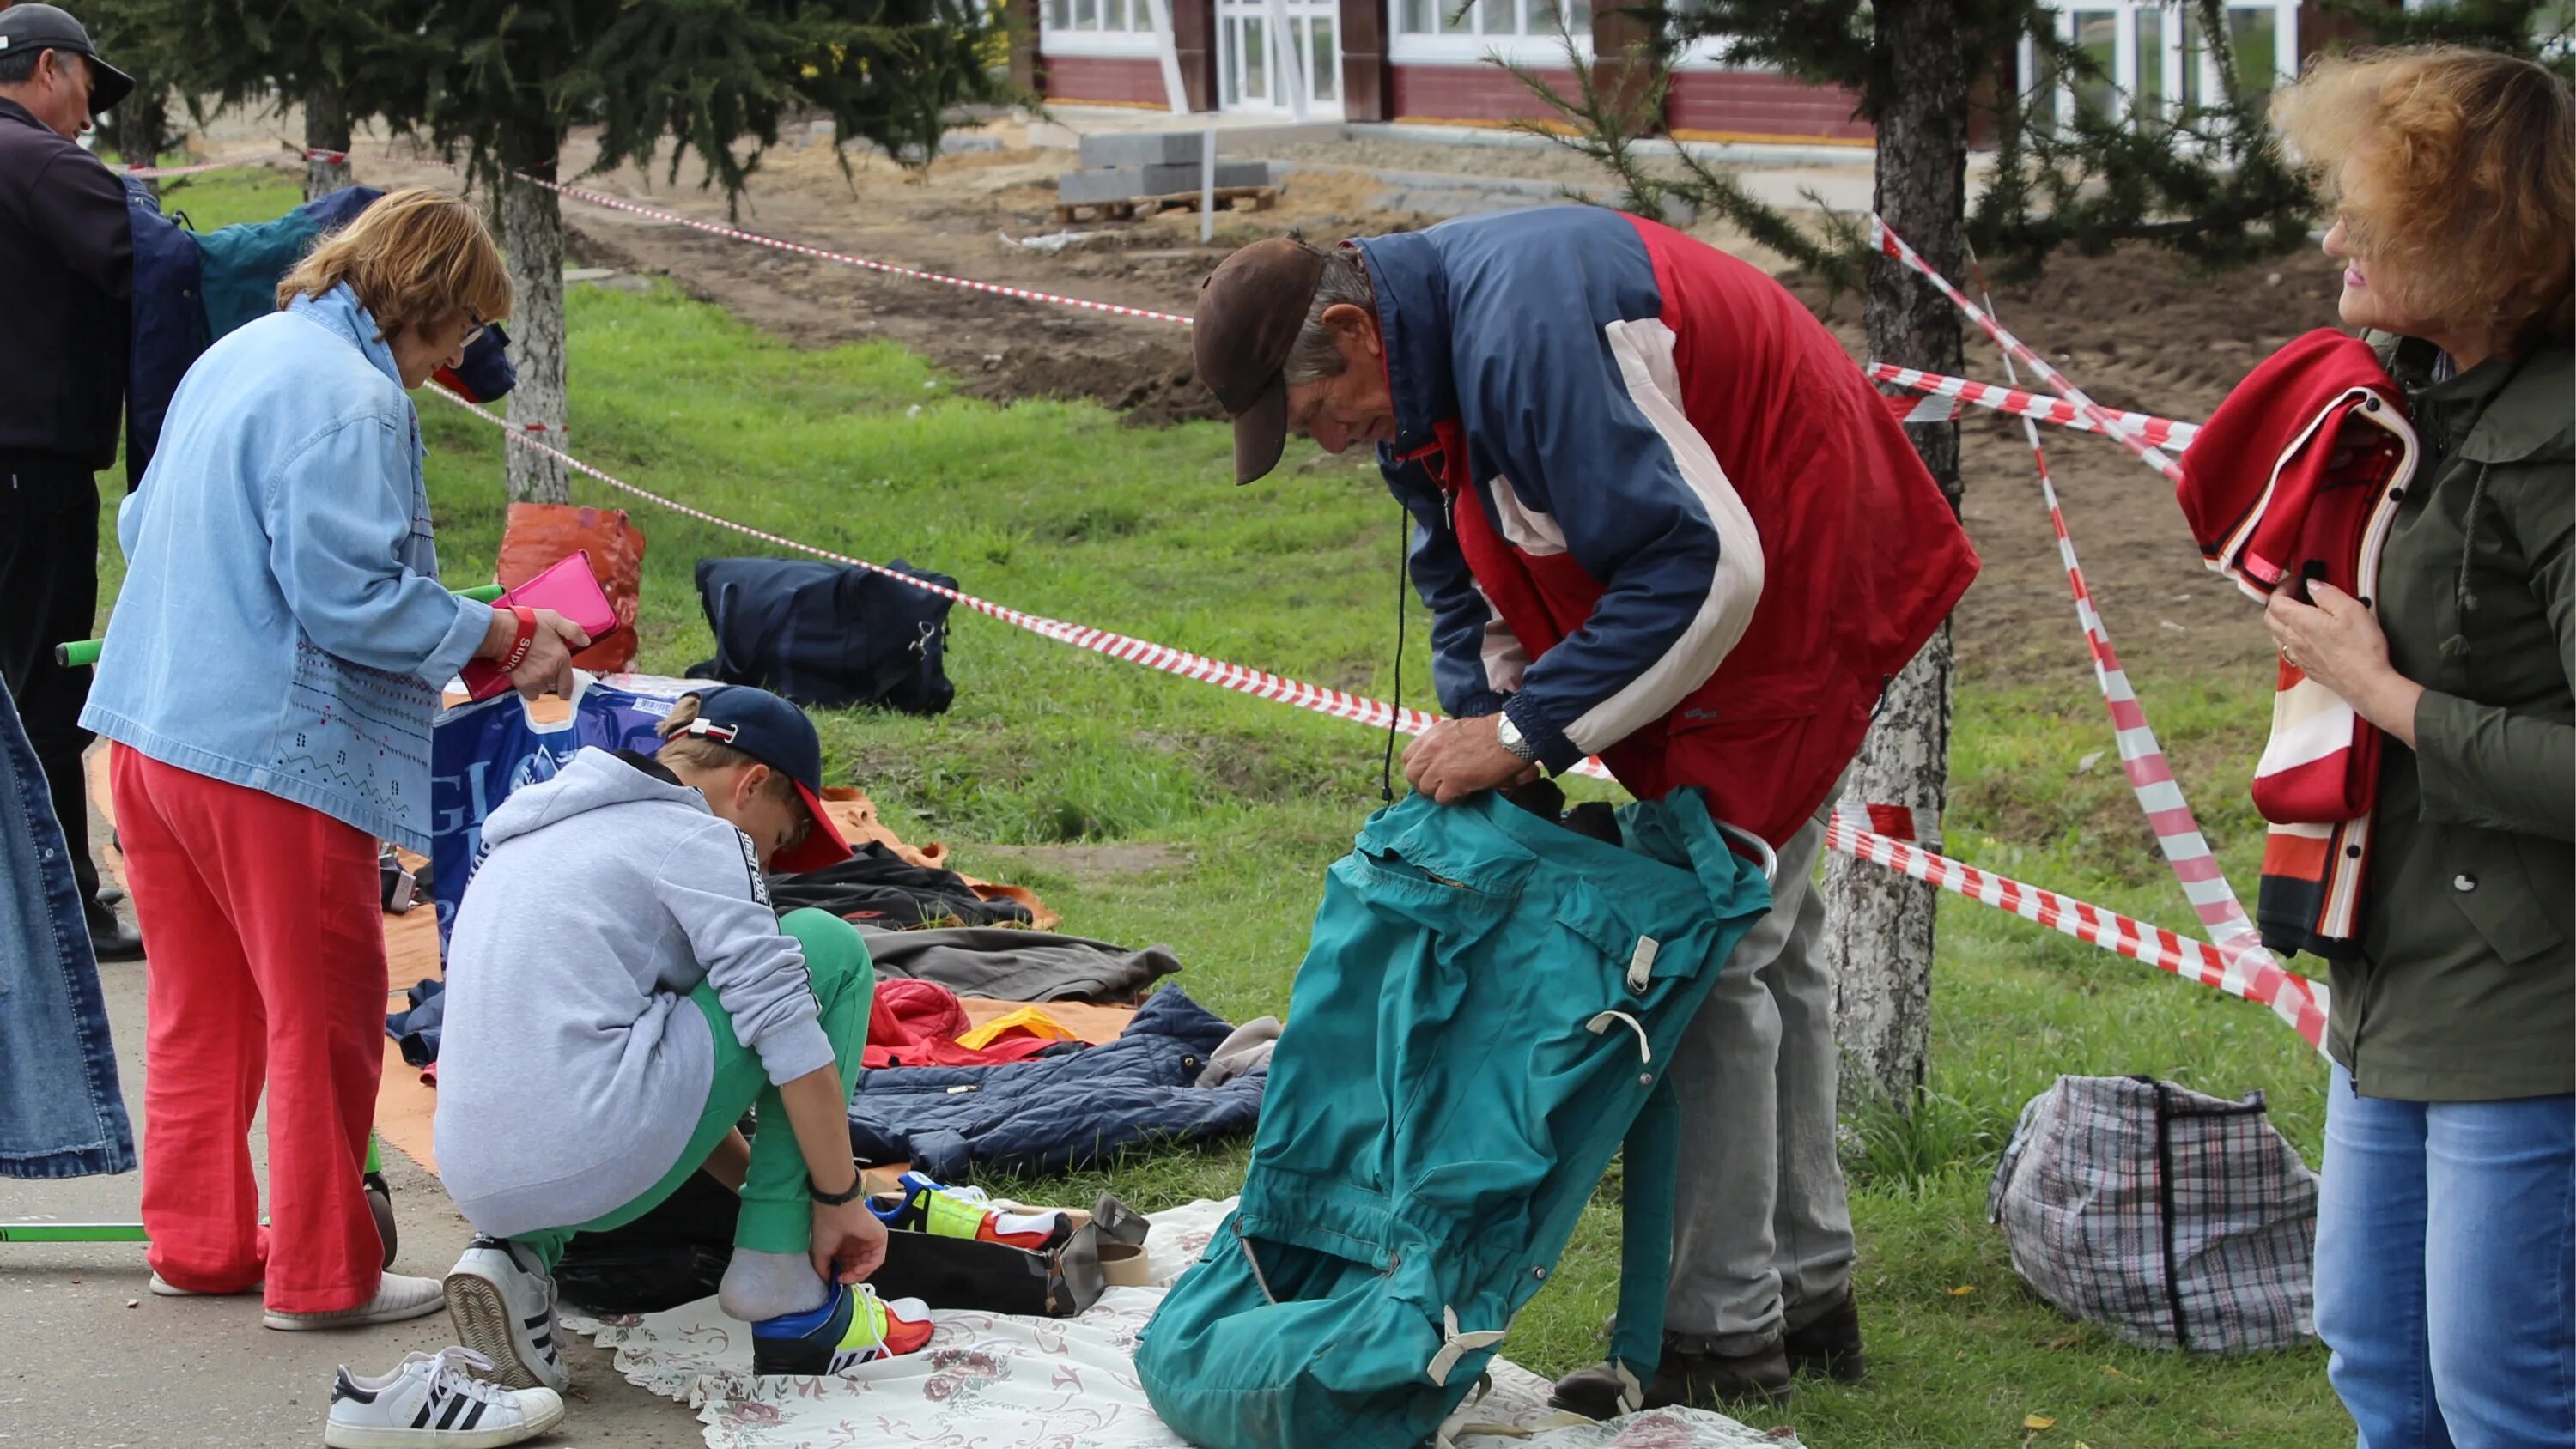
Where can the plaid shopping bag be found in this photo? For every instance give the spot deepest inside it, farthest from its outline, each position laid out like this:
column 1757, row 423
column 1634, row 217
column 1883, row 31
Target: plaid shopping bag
column 2172, row 1218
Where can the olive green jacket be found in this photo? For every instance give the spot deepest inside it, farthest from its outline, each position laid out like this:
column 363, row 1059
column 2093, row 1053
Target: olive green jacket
column 2465, row 988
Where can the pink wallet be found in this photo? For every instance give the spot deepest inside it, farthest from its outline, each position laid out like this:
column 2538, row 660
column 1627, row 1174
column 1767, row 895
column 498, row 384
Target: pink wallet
column 566, row 586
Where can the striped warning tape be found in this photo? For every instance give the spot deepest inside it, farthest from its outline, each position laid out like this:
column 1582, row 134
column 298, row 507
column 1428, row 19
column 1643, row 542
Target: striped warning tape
column 2298, row 1001
column 619, row 203
column 1258, row 683
column 2295, row 999
column 156, row 173
column 1947, row 397
column 2142, row 756
column 1885, row 239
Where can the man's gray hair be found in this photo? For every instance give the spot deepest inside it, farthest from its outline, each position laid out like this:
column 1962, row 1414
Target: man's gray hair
column 17, row 70
column 1314, row 356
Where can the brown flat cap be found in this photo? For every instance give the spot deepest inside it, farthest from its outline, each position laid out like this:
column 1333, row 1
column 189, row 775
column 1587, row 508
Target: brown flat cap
column 1249, row 311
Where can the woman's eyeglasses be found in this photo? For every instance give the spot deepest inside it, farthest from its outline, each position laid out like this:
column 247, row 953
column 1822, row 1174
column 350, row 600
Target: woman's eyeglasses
column 474, row 333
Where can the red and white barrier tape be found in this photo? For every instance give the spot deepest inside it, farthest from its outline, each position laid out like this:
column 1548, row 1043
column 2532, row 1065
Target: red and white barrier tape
column 1258, row 683
column 1948, row 397
column 2142, row 757
column 156, row 173
column 1887, row 241
column 2294, row 999
column 619, row 203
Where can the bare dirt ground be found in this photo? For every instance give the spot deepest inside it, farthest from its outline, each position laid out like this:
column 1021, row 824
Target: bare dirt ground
column 2136, row 329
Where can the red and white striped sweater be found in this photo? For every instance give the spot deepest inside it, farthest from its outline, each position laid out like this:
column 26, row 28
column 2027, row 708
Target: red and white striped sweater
column 2296, row 479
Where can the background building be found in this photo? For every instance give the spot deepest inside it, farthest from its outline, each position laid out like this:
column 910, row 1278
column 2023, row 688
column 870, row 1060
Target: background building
column 1419, row 61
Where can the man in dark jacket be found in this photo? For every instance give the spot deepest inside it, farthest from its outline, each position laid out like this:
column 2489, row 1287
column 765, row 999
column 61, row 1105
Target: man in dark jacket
column 67, row 255
column 1660, row 518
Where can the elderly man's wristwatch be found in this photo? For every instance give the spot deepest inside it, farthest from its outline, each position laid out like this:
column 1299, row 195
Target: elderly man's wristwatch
column 1509, row 736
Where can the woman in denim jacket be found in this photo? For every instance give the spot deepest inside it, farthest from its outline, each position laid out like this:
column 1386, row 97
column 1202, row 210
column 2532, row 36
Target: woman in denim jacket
column 268, row 679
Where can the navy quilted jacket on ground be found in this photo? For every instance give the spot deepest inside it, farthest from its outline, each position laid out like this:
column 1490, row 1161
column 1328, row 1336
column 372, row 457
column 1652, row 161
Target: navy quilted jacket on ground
column 1058, row 1114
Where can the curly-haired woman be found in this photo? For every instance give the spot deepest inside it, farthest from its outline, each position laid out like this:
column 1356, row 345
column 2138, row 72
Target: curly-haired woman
column 2446, row 1238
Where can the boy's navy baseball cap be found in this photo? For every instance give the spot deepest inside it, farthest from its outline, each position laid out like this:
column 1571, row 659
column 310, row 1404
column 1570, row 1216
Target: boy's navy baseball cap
column 777, row 734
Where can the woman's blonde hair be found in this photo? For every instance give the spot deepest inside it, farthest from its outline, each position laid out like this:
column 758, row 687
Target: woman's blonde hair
column 2463, row 171
column 699, row 752
column 416, row 259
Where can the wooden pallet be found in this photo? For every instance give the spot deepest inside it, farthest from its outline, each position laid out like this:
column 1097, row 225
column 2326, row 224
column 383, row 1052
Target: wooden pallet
column 1262, row 198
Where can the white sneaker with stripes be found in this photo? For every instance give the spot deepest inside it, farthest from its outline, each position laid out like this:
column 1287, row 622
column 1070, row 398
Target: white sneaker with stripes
column 504, row 1310
column 433, row 1401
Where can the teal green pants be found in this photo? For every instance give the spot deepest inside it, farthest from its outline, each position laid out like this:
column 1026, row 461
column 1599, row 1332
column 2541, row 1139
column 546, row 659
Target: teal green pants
column 777, row 1216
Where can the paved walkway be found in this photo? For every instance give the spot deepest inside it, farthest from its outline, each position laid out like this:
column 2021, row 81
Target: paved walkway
column 94, row 1361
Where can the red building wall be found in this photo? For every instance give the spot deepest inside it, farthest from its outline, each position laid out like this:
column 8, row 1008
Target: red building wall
column 1124, row 80
column 1475, row 92
column 1758, row 104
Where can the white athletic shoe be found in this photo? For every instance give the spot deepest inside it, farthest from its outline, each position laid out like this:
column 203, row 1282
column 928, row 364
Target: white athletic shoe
column 164, row 1288
column 505, row 1310
column 432, row 1401
column 397, row 1298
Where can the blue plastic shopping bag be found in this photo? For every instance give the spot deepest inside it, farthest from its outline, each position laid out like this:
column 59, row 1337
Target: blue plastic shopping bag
column 481, row 752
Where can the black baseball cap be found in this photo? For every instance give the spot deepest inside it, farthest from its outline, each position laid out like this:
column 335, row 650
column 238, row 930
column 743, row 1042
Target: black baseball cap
column 43, row 27
column 777, row 734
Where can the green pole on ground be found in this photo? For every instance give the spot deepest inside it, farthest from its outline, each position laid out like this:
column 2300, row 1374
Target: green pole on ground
column 122, row 1232
column 85, row 651
column 72, row 1233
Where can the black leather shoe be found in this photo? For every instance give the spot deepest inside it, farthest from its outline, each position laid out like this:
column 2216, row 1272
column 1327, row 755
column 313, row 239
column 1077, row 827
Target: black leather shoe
column 1829, row 1347
column 109, row 939
column 1685, row 1378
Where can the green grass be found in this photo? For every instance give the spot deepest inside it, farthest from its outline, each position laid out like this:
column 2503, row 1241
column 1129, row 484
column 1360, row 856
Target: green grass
column 1057, row 509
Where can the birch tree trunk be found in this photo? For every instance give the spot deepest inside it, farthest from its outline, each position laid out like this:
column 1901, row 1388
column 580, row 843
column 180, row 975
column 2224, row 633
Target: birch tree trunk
column 326, row 128
column 531, row 226
column 1878, row 924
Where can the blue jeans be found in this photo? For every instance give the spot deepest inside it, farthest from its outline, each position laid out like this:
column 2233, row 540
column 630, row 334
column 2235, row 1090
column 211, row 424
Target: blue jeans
column 2446, row 1269
column 61, row 1114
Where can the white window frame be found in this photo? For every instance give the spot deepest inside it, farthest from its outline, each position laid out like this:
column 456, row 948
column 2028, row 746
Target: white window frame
column 1139, row 42
column 1406, row 47
column 2171, row 57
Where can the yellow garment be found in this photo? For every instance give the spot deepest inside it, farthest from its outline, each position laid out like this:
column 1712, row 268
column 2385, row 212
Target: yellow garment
column 1029, row 1019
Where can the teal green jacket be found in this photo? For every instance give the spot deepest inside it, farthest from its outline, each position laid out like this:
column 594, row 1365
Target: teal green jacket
column 2465, row 988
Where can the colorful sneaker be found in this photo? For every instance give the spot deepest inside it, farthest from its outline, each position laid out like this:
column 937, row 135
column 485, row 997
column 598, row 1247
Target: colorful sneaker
column 924, row 1206
column 856, row 1327
column 504, row 1310
column 432, row 1401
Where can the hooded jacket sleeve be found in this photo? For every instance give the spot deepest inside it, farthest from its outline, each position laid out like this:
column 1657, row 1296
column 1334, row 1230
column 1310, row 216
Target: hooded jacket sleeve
column 1475, row 660
column 2484, row 765
column 711, row 883
column 336, row 510
column 1599, row 461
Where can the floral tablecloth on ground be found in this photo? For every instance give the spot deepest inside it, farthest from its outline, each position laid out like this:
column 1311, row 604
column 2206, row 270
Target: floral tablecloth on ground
column 990, row 1381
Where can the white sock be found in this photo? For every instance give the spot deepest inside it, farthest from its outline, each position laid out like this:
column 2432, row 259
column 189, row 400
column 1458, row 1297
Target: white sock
column 761, row 1285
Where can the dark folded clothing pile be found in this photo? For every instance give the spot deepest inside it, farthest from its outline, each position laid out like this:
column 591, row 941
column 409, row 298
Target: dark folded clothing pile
column 418, row 1027
column 1060, row 1113
column 876, row 887
column 1002, row 964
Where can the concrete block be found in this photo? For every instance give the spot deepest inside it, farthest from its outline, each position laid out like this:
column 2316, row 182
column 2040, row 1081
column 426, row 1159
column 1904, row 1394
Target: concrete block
column 1125, row 183
column 1141, row 148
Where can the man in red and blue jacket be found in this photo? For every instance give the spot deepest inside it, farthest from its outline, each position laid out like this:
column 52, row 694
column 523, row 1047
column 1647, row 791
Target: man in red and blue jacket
column 1661, row 518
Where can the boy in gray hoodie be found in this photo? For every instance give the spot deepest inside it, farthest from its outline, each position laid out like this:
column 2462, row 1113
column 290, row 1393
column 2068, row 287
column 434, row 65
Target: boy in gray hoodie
column 619, row 992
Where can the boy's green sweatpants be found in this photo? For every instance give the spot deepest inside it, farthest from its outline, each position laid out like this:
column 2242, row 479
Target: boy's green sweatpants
column 777, row 1216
